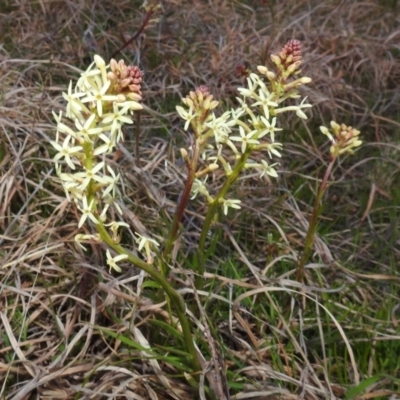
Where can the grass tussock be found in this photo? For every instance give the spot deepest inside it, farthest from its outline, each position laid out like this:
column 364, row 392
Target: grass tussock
column 71, row 330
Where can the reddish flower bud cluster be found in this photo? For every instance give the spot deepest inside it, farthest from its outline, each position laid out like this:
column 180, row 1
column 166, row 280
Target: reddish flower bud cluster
column 125, row 79
column 201, row 99
column 291, row 53
column 243, row 70
column 202, row 90
column 289, row 59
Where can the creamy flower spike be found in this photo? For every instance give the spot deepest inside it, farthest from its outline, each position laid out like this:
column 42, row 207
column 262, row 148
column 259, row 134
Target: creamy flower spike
column 252, row 126
column 101, row 103
column 344, row 138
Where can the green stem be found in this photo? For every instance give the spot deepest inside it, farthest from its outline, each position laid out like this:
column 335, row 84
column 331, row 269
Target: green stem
column 211, row 213
column 175, row 298
column 312, row 226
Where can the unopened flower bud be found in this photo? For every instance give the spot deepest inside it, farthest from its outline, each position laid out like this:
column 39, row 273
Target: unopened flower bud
column 100, row 63
column 134, row 96
column 271, row 76
column 187, row 101
column 293, row 67
column 275, row 59
column 111, row 76
column 305, row 80
column 206, row 103
column 262, row 69
column 214, row 104
column 184, row 153
column 344, row 138
column 202, row 90
column 121, row 98
column 125, row 83
column 113, row 65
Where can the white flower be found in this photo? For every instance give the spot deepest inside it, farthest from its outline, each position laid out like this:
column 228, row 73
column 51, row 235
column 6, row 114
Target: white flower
column 86, row 130
column 236, row 114
column 108, row 201
column 91, row 174
column 57, row 117
column 74, row 105
column 246, row 139
column 58, row 120
column 326, row 132
column 112, row 261
column 220, row 126
column 89, row 79
column 252, row 85
column 269, row 128
column 186, row 115
column 144, row 243
column 199, row 187
column 243, row 106
column 68, row 182
column 272, row 149
column 114, row 226
column 265, row 101
column 100, row 96
column 108, row 145
column 66, row 151
column 298, row 109
column 80, row 237
column 87, row 212
column 268, row 169
column 117, row 118
column 299, row 112
column 112, row 180
column 226, row 203
column 101, row 65
column 66, row 129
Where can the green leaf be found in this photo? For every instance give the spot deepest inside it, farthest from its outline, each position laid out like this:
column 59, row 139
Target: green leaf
column 361, row 387
column 124, row 339
column 151, row 284
column 174, row 332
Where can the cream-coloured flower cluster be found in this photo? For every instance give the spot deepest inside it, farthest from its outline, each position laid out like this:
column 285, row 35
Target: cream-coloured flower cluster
column 344, row 138
column 97, row 115
column 250, row 127
column 102, row 101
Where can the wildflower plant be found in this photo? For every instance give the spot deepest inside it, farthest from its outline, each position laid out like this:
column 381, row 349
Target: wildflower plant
column 344, row 140
column 106, row 97
column 230, row 140
column 103, row 100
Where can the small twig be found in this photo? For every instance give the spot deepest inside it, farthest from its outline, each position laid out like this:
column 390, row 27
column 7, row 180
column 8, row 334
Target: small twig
column 137, row 144
column 145, row 22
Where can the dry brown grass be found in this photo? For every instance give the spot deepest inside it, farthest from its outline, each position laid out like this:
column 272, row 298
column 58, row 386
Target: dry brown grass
column 55, row 299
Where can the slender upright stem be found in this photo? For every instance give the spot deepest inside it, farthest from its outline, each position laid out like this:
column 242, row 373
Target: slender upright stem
column 175, row 297
column 181, row 207
column 137, row 143
column 210, row 217
column 312, row 226
column 145, row 22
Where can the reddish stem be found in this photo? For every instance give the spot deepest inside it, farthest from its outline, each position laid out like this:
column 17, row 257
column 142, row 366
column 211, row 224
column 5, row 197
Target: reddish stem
column 312, row 226
column 137, row 34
